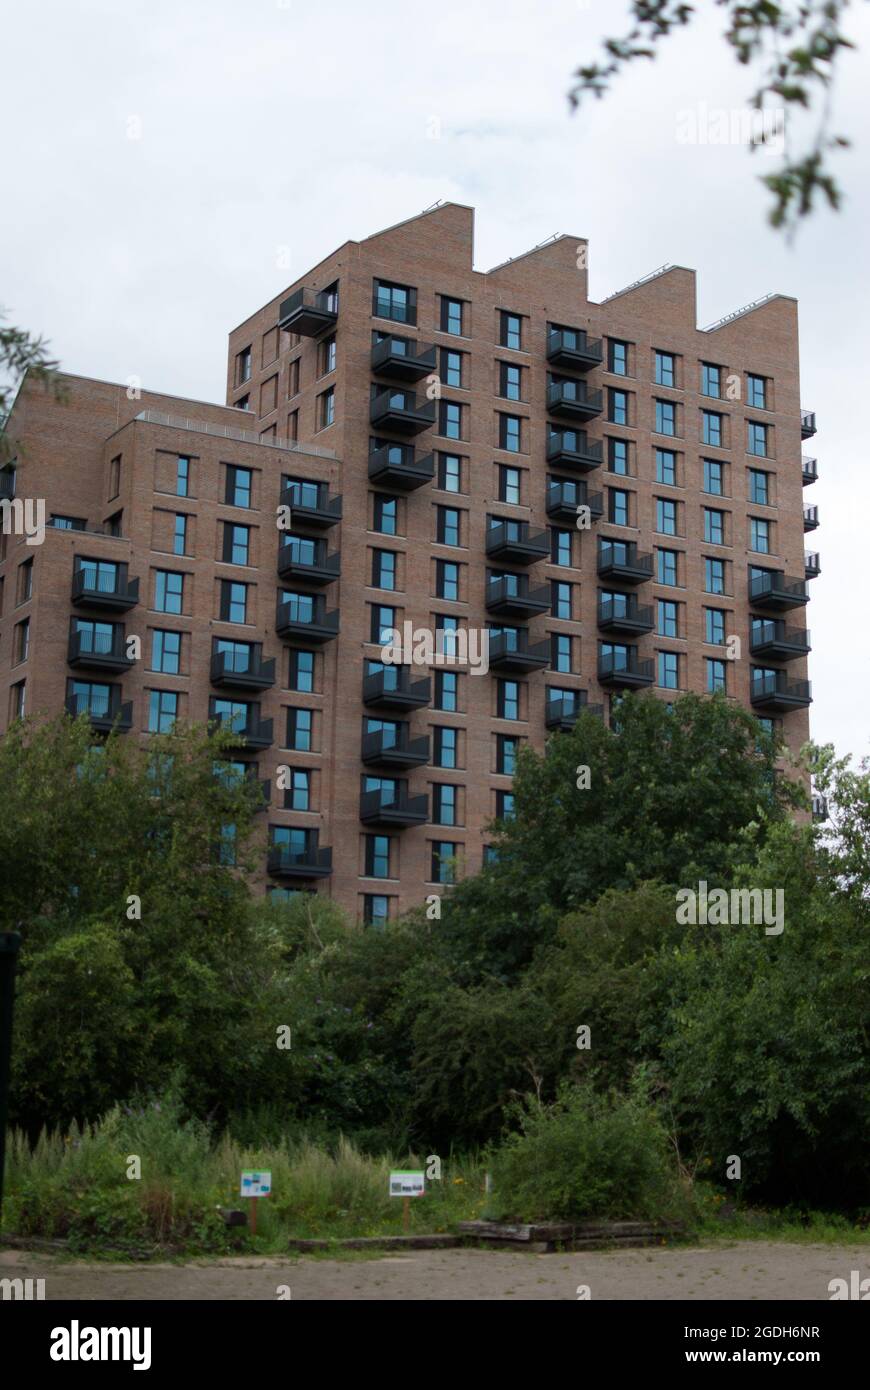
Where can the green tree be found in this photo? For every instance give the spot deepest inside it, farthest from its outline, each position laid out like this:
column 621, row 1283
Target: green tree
column 20, row 353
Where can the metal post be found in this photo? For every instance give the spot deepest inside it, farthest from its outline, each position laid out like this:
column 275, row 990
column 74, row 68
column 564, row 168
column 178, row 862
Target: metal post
column 10, row 941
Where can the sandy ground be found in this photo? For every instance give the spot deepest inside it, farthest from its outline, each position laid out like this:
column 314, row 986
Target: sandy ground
column 744, row 1270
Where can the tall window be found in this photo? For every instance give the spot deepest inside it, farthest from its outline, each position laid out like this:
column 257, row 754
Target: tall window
column 617, row 357
column 617, row 406
column 667, row 624
column 666, row 467
column 384, row 569
column 665, row 369
column 711, row 380
column 162, row 710
column 714, row 526
column 714, row 575
column 377, row 856
column 449, row 526
column 714, row 627
column 756, row 438
column 617, row 506
column 451, row 315
column 450, row 419
column 715, row 674
column 759, row 535
column 326, row 411
column 238, row 486
column 396, row 302
column 386, row 514
column 168, row 591
column 301, row 675
column 449, row 472
column 509, row 484
column 713, row 477
column 300, row 724
column 510, row 433
column 511, row 335
column 666, row 417
column 759, row 490
column 667, row 566
column 166, row 652
column 756, row 392
column 669, row 670
column 508, row 699
column 234, row 602
column 451, row 368
column 510, row 381
column 617, row 456
column 666, row 516
column 711, row 428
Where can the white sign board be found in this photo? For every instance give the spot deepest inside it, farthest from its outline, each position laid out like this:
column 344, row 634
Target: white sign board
column 407, row 1184
column 256, row 1183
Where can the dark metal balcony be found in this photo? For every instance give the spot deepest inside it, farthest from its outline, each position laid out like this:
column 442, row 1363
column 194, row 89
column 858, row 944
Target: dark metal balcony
column 574, row 400
column 809, row 470
column 97, row 591
column 398, row 412
column 283, row 862
column 562, row 713
column 291, row 623
column 569, row 349
column 242, row 673
column 626, row 671
column 812, row 564
column 811, row 518
column 774, row 640
column 509, row 653
column 323, row 569
column 621, row 561
column 625, row 617
column 308, row 313
column 808, row 424
column 393, row 688
column 396, row 466
column 819, row 806
column 393, row 809
column 511, row 597
column 564, row 497
column 96, row 651
column 515, row 543
column 105, row 715
column 776, row 592
column 779, row 694
column 402, row 359
column 382, row 750
column 572, row 449
column 322, row 513
column 257, row 733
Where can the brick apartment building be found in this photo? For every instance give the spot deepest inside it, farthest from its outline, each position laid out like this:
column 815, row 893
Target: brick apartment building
column 434, row 430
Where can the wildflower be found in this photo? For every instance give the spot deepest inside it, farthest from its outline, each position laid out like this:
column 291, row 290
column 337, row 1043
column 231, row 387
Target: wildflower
column 457, row 1180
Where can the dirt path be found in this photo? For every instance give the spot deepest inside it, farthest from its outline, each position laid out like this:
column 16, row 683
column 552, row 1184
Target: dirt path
column 744, row 1270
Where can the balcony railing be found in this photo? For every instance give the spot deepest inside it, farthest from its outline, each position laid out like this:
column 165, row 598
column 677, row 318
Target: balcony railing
column 809, row 469
column 93, row 589
column 776, row 692
column 393, row 808
column 572, row 449
column 394, row 689
column 812, row 564
column 614, row 616
column 314, row 862
column 105, row 713
column 574, row 399
column 320, row 570
column 515, row 542
column 819, row 805
column 570, row 349
column 617, row 668
column 511, row 596
column 245, row 672
column 773, row 639
column 776, row 590
column 399, row 412
column 811, row 518
column 622, row 561
column 808, row 424
column 102, row 651
column 562, row 712
column 397, row 466
column 308, row 312
column 402, row 359
column 255, row 733
column 564, row 498
column 319, row 510
column 508, row 652
column 387, row 750
column 311, row 624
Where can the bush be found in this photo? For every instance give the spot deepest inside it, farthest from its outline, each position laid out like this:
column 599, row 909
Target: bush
column 586, row 1155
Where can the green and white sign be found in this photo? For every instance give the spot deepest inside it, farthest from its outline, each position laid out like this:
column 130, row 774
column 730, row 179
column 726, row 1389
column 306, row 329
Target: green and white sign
column 256, row 1182
column 407, row 1184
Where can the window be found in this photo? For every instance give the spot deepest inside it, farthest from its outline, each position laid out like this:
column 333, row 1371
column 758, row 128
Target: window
column 759, row 487
column 510, row 381
column 560, row 652
column 243, row 403
column 447, row 579
column 446, row 690
column 711, row 428
column 711, row 380
column 511, row 330
column 297, row 795
column 667, row 567
column 293, row 377
column 115, row 477
column 560, row 546
column 759, row 535
column 669, row 670
column 68, row 523
column 377, row 856
column 243, row 366
column 667, row 622
column 504, row 805
column 22, row 641
column 756, row 392
column 25, row 581
column 238, row 486
column 301, row 675
column 451, row 367
column 113, row 524
column 451, row 315
column 300, row 724
column 508, row 699
column 168, row 591
column 714, row 627
column 617, row 456
column 666, row 516
column 714, row 526
column 166, row 652
column 326, row 408
column 383, row 624
column 715, row 674
column 666, row 467
column 384, row 569
column 560, row 599
column 617, row 506
column 99, row 576
column 509, row 489
column 444, row 803
column 396, row 302
column 756, row 438
column 450, row 472
column 386, row 514
column 450, row 419
column 376, row 910
column 18, row 700
column 162, row 710
column 714, row 477
column 237, row 544
column 449, row 526
column 714, row 575
column 666, row 417
column 444, row 852
column 617, row 357
column 233, row 602
column 444, row 746
column 665, row 369
column 327, row 359
column 510, row 433
column 617, row 406
column 506, row 754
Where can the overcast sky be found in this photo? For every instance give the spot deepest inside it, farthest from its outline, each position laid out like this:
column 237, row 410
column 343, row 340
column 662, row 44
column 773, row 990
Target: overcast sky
column 267, row 133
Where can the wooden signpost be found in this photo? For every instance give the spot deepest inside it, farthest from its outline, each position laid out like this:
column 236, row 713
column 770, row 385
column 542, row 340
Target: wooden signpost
column 406, row 1186
column 256, row 1182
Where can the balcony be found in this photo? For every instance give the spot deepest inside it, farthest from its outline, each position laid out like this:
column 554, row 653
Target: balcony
column 812, row 564
column 310, row 506
column 398, row 412
column 508, row 652
column 309, row 313
column 402, row 359
column 625, row 617
column 811, row 518
column 256, row 733
column 626, row 671
column 772, row 639
column 321, row 569
column 562, row 713
column 511, row 597
column 393, row 809
column 91, row 589
column 395, row 466
column 572, row 449
column 97, row 651
column 570, row 350
column 105, row 715
column 393, row 688
column 809, row 470
column 808, row 424
column 399, row 750
column 299, row 622
column 819, row 806
column 514, row 543
column 574, row 400
column 241, row 672
column 621, row 561
column 776, row 592
column 776, row 693
column 283, row 862
column 565, row 496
